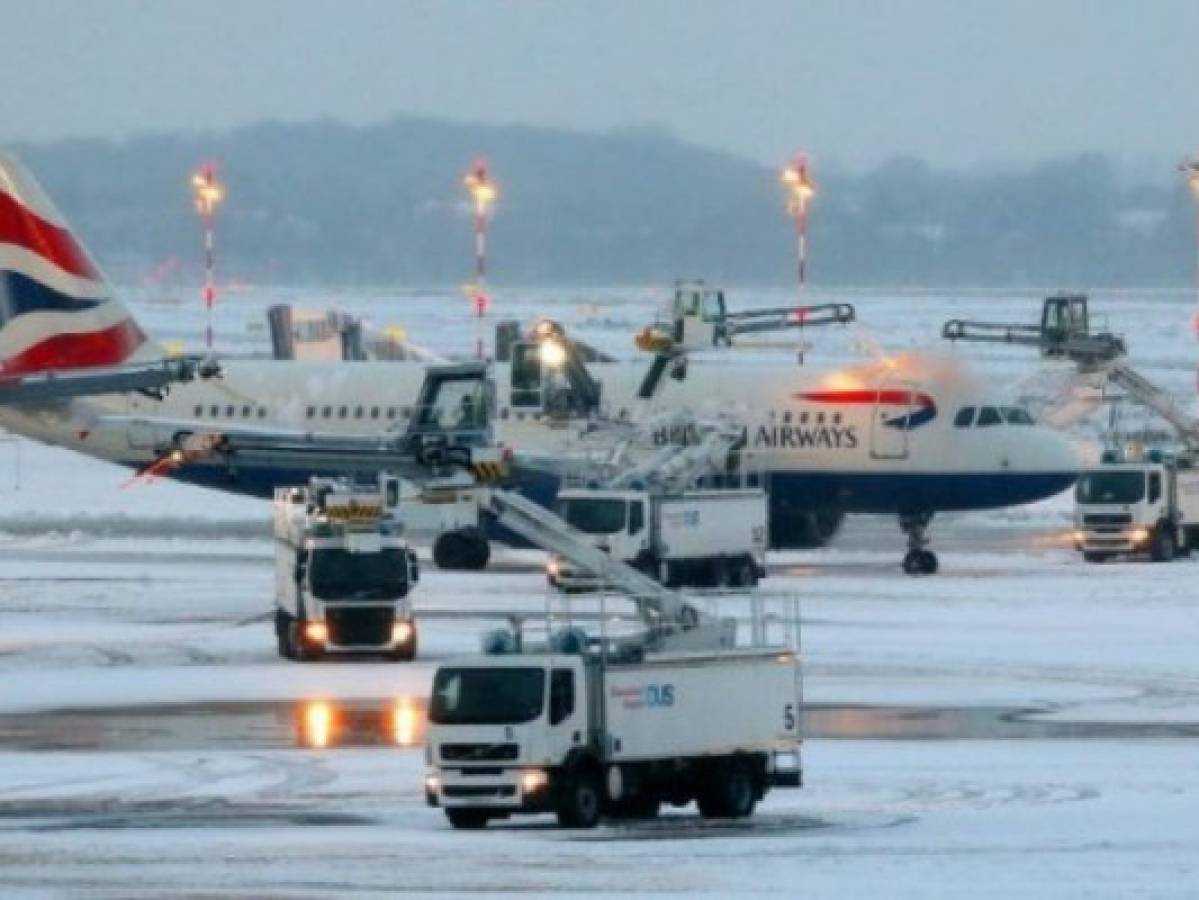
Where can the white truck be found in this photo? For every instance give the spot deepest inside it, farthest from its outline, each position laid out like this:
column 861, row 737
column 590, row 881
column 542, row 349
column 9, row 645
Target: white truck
column 1147, row 507
column 701, row 538
column 342, row 571
column 583, row 736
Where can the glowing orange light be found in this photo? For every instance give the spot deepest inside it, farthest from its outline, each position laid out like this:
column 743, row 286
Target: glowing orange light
column 799, row 185
column 318, row 724
column 207, row 191
column 404, row 722
column 483, row 190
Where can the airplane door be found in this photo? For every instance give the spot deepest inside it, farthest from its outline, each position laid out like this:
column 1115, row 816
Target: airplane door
column 894, row 402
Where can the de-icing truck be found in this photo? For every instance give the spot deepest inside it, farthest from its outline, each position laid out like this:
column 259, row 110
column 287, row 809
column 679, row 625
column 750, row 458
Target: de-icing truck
column 343, row 571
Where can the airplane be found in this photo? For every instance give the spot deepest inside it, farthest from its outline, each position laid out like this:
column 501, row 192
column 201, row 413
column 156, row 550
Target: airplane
column 910, row 435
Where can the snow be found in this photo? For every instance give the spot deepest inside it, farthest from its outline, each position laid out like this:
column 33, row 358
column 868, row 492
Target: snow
column 154, row 601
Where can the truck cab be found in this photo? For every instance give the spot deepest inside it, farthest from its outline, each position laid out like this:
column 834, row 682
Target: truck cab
column 343, row 571
column 1147, row 507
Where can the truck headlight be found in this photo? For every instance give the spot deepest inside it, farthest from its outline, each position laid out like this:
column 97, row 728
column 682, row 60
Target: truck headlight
column 533, row 780
column 432, row 783
column 401, row 632
column 316, row 632
column 552, row 568
column 1079, row 537
column 1140, row 535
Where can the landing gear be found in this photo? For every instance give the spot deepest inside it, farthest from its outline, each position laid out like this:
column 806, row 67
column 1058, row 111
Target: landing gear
column 918, row 560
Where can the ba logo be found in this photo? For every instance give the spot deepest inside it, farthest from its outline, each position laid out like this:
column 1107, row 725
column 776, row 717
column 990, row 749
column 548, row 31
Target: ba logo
column 659, row 695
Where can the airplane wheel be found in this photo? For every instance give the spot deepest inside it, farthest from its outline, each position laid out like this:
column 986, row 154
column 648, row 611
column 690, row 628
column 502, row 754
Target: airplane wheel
column 920, row 562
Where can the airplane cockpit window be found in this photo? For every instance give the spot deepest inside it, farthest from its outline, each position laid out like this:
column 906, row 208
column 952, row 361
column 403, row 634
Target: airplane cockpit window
column 964, row 418
column 1016, row 415
column 713, row 306
column 989, row 415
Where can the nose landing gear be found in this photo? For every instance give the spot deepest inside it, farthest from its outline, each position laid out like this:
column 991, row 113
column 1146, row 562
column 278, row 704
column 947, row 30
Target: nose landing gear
column 918, row 560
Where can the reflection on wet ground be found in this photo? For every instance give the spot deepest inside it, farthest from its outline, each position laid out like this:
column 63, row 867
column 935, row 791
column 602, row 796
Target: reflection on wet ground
column 400, row 721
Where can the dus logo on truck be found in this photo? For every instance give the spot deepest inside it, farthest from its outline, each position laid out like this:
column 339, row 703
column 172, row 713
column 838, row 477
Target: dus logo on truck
column 651, row 696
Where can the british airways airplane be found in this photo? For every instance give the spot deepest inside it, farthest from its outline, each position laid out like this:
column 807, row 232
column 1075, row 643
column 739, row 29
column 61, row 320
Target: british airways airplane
column 908, row 436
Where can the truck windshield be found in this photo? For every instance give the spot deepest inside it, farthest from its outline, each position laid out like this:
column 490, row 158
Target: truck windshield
column 594, row 516
column 499, row 696
column 1110, row 487
column 341, row 575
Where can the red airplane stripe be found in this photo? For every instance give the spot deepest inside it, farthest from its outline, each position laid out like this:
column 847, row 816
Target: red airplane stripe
column 21, row 226
column 76, row 351
column 893, row 396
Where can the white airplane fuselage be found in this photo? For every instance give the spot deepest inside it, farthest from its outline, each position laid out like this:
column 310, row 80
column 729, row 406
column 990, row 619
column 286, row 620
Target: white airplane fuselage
column 862, row 439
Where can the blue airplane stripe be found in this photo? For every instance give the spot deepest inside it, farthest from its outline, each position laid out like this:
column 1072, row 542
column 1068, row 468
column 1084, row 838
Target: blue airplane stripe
column 20, row 294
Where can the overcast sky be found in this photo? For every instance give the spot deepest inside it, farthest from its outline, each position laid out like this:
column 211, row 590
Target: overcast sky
column 954, row 81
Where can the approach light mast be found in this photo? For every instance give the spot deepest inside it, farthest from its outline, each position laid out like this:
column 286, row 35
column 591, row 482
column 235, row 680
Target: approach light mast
column 797, row 181
column 208, row 194
column 483, row 192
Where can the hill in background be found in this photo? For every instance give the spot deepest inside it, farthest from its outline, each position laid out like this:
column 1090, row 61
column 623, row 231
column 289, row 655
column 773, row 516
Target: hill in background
column 330, row 203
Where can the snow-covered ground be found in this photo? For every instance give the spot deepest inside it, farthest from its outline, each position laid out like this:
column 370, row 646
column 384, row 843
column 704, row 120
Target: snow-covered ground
column 1022, row 724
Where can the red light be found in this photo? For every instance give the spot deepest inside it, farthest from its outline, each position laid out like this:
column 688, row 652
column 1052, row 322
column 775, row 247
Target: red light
column 481, row 304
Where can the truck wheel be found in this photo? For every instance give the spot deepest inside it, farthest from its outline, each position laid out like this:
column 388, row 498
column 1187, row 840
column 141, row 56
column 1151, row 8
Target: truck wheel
column 477, row 550
column 1163, row 545
column 447, row 550
column 730, row 793
column 581, row 800
column 467, row 819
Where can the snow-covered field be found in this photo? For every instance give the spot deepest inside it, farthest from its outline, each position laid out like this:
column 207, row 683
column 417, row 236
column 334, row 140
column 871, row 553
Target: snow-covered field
column 1020, row 725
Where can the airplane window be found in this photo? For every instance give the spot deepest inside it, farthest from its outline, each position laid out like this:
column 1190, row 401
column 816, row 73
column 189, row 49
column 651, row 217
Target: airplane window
column 199, row 411
column 391, row 412
column 312, row 412
column 214, row 410
column 262, row 412
column 836, row 418
column 407, row 412
column 819, row 418
column 964, row 418
column 245, row 412
column 357, row 412
column 374, row 412
column 342, row 411
column 326, row 411
column 230, row 411
column 989, row 415
column 1015, row 415
column 786, row 418
column 803, row 418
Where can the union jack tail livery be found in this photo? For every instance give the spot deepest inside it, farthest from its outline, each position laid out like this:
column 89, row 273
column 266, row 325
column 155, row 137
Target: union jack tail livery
column 57, row 311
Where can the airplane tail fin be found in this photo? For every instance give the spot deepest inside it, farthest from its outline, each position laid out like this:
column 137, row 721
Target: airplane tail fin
column 57, row 311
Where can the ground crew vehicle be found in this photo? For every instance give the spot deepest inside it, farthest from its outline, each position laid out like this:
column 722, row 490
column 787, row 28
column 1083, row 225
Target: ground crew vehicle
column 1147, row 507
column 702, row 538
column 584, row 736
column 343, row 571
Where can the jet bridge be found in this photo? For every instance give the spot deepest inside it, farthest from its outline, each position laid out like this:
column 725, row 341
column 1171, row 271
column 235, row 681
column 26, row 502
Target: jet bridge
column 1065, row 333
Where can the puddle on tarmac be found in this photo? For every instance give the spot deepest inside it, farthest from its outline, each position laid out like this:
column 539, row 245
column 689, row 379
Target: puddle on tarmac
column 400, row 722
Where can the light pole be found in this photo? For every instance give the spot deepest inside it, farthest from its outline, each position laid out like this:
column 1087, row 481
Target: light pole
column 798, row 183
column 483, row 191
column 208, row 194
column 1190, row 171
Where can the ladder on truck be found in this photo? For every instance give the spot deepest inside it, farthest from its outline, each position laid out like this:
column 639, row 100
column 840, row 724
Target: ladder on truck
column 1065, row 333
column 667, row 615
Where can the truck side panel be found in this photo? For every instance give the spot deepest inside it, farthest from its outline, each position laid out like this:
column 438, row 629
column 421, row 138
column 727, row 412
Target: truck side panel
column 704, row 705
column 1188, row 496
column 691, row 525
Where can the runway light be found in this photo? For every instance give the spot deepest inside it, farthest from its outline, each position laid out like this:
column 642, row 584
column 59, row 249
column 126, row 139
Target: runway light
column 404, row 722
column 317, row 632
column 318, row 724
